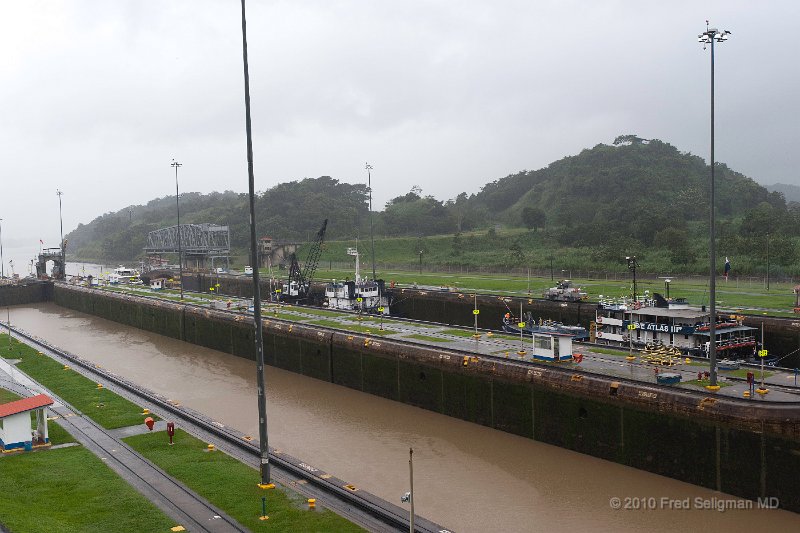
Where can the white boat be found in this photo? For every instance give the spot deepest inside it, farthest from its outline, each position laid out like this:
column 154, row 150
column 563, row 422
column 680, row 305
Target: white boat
column 123, row 274
column 359, row 295
column 671, row 323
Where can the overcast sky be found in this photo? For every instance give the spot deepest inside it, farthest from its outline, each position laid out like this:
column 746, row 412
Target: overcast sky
column 97, row 97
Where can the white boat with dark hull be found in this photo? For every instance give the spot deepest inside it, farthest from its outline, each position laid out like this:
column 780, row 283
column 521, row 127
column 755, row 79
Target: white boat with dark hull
column 359, row 295
column 671, row 323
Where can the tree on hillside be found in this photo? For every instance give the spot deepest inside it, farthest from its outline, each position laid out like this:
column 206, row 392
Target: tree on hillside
column 533, row 218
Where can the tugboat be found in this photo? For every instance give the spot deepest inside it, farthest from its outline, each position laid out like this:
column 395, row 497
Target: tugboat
column 564, row 291
column 359, row 295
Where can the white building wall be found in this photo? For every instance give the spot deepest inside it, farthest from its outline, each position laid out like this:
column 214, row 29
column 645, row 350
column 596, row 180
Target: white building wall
column 17, row 428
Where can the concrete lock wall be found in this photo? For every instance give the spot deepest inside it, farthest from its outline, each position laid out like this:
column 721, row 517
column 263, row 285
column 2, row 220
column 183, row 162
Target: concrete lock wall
column 782, row 335
column 26, row 292
column 749, row 449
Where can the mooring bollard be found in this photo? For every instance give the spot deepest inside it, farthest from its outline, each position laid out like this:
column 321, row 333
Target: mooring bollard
column 312, row 503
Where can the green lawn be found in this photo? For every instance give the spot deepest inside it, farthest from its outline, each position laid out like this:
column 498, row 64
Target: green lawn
column 705, row 382
column 232, row 486
column 460, row 332
column 70, row 490
column 77, row 390
column 8, row 396
column 356, row 328
column 733, row 294
column 742, row 373
column 427, row 338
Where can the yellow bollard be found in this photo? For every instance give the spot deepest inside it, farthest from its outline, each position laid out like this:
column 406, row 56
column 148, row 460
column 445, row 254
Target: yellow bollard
column 210, row 447
column 688, row 361
column 145, row 411
column 312, row 503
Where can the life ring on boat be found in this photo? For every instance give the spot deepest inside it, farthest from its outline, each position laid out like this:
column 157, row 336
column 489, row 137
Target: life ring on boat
column 599, row 334
column 577, row 357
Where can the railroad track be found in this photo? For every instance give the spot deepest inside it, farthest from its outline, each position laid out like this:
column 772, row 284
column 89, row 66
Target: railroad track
column 164, row 487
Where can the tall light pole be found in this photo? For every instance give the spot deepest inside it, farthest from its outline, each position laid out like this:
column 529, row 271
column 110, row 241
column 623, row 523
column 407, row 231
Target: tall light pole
column 710, row 36
column 632, row 264
column 368, row 167
column 259, row 338
column 2, row 272
column 767, row 260
column 61, row 225
column 176, row 166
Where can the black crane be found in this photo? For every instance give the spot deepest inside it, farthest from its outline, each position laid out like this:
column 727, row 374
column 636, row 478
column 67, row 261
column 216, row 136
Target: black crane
column 298, row 286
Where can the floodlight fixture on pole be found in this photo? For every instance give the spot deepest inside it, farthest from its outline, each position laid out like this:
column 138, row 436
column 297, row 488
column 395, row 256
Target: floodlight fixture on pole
column 176, row 166
column 709, row 37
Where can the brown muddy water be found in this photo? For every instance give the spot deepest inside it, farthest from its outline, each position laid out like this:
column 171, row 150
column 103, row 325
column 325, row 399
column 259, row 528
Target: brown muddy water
column 467, row 477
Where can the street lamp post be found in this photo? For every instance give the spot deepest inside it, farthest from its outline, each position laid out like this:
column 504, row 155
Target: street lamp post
column 368, row 167
column 632, row 264
column 176, row 166
column 709, row 37
column 62, row 246
column 420, row 262
column 768, row 261
column 259, row 334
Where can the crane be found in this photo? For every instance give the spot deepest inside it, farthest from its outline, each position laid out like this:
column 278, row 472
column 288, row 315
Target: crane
column 298, row 287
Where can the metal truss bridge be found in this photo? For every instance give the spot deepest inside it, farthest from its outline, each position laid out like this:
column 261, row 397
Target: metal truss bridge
column 198, row 241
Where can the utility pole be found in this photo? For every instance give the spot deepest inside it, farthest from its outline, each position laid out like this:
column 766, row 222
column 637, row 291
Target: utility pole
column 259, row 334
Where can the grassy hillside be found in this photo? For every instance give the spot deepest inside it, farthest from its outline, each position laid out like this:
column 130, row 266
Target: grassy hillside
column 589, row 211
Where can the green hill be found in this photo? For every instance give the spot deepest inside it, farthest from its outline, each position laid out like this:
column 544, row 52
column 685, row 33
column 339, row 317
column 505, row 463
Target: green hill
column 634, row 196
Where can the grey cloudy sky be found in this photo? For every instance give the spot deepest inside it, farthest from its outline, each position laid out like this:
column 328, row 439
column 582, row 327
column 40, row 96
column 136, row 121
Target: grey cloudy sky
column 97, row 97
